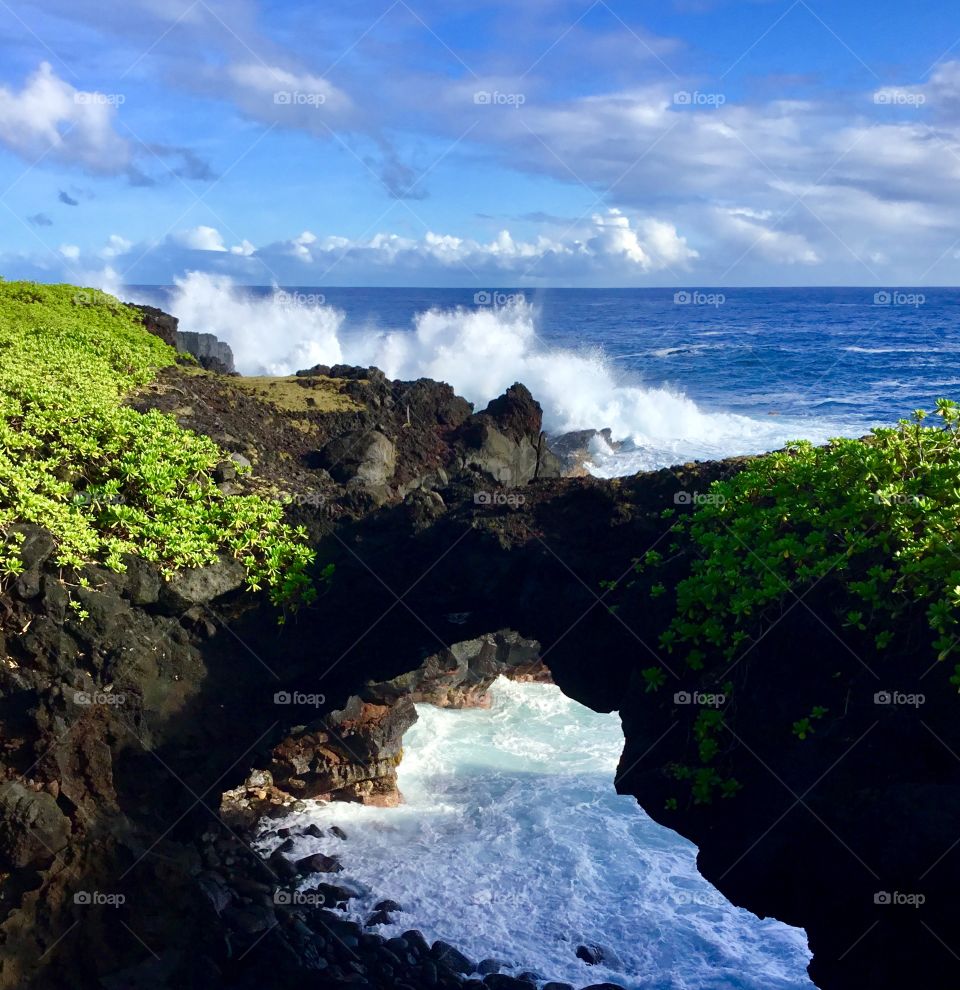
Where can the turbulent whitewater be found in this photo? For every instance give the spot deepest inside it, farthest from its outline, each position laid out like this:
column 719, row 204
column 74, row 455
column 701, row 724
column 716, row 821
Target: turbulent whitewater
column 483, row 349
column 514, row 845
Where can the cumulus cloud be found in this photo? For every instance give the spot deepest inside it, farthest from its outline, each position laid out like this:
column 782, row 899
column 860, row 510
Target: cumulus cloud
column 49, row 117
column 200, row 239
column 611, row 242
column 756, row 232
column 654, row 245
column 116, row 246
column 40, row 220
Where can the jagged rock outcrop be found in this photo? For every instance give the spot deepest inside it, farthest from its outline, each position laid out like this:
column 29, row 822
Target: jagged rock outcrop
column 576, row 449
column 212, row 353
column 505, row 443
column 353, row 753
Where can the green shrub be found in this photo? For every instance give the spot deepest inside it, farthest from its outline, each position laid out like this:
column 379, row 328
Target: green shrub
column 875, row 520
column 103, row 478
column 880, row 515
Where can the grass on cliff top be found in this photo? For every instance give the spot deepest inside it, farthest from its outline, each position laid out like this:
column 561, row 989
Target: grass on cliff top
column 104, row 479
column 295, row 394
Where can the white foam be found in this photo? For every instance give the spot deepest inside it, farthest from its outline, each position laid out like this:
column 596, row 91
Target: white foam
column 481, row 352
column 513, row 844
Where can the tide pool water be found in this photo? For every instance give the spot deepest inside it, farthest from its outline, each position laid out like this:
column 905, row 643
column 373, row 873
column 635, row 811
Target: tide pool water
column 513, row 844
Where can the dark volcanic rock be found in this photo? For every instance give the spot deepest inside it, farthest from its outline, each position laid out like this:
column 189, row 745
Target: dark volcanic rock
column 32, row 827
column 505, row 444
column 573, row 449
column 594, row 954
column 211, row 353
column 200, row 585
column 160, row 324
column 353, row 754
column 318, row 863
column 450, row 957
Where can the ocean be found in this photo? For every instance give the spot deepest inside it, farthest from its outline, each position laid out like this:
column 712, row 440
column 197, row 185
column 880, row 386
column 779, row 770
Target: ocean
column 675, row 374
column 512, row 844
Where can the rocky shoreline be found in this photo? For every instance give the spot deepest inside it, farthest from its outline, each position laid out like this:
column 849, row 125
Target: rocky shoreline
column 148, row 728
column 310, row 913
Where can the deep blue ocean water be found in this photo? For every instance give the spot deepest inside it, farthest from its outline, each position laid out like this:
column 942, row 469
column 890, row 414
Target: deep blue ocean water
column 820, row 352
column 677, row 374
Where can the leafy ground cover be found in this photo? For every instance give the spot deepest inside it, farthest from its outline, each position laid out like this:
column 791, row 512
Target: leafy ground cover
column 105, row 479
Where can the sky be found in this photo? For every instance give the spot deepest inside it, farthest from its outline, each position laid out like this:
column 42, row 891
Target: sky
column 429, row 143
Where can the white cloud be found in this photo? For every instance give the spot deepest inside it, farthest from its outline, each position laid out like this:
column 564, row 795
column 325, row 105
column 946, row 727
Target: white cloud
column 70, row 251
column 200, row 239
column 49, row 117
column 750, row 231
column 293, row 99
column 611, row 246
column 116, row 246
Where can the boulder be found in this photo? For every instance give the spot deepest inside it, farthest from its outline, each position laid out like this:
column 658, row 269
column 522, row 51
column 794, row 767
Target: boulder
column 201, row 585
column 365, row 457
column 443, row 953
column 32, row 826
column 575, row 449
column 504, row 443
column 318, row 863
column 387, row 905
column 593, row 954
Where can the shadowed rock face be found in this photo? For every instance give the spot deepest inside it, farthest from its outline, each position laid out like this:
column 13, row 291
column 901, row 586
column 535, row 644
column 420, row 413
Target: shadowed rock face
column 134, row 721
column 505, row 442
column 211, row 352
column 353, row 753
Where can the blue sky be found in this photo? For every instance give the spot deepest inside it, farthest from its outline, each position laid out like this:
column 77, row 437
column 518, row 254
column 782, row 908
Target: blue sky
column 681, row 142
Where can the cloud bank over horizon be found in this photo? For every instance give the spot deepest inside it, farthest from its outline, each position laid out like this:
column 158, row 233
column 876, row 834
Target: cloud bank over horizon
column 419, row 145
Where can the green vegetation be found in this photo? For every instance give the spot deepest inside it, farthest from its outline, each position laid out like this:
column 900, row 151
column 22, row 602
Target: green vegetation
column 881, row 515
column 104, row 479
column 875, row 519
column 299, row 394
